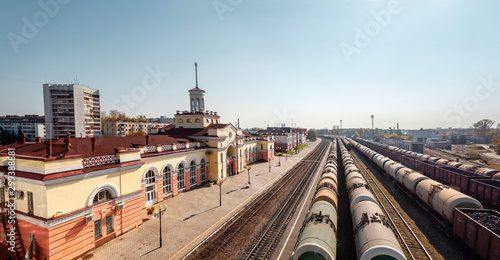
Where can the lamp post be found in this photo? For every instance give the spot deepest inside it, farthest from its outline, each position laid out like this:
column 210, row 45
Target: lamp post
column 269, row 159
column 219, row 182
column 248, row 169
column 279, row 160
column 159, row 214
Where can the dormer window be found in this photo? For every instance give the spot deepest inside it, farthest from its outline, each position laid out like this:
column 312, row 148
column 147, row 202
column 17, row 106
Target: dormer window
column 180, row 120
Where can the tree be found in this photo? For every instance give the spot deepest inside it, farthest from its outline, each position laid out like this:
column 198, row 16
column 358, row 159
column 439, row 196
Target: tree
column 311, row 135
column 138, row 133
column 482, row 127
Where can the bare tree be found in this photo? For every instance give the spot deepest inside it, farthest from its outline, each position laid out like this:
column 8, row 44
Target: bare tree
column 482, row 127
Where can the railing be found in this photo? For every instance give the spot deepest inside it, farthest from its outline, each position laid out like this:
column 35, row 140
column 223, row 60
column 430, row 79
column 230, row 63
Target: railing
column 166, row 147
column 150, row 149
column 180, row 146
column 100, row 160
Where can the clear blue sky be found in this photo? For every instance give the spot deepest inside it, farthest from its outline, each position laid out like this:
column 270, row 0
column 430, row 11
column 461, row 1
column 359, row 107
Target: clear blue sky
column 265, row 62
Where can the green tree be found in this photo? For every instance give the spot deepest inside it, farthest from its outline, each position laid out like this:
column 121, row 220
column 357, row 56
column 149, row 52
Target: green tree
column 311, row 135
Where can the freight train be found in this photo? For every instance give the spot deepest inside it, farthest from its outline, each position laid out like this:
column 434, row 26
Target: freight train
column 437, row 196
column 475, row 227
column 374, row 237
column 318, row 236
column 481, row 183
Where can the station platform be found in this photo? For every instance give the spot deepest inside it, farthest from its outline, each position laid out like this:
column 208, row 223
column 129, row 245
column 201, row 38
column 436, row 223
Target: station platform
column 192, row 216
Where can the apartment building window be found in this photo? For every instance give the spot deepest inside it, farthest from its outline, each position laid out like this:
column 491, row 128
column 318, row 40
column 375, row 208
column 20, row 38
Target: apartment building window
column 110, row 225
column 102, row 196
column 30, row 202
column 97, row 229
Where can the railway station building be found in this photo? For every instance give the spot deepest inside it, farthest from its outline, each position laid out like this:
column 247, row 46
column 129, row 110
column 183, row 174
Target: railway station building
column 69, row 195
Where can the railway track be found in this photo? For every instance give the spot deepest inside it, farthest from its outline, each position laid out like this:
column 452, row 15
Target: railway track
column 217, row 245
column 409, row 241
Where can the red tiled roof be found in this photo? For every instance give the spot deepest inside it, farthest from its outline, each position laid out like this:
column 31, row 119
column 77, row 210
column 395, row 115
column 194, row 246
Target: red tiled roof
column 83, row 146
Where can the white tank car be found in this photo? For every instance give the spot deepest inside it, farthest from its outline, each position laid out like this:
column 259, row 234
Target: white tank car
column 412, row 181
column 359, row 191
column 381, row 160
column 330, row 167
column 393, row 168
column 388, row 164
column 350, row 168
column 373, row 234
column 402, row 174
column 444, row 199
column 330, row 175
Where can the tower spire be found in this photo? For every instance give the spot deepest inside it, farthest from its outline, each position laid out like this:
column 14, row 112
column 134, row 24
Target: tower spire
column 196, row 73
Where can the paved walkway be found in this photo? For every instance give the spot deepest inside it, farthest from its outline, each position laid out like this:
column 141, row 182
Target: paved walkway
column 193, row 215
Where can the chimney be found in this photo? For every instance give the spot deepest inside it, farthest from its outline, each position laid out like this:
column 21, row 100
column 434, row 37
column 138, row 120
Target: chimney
column 23, row 138
column 147, row 140
column 67, row 141
column 37, row 139
column 48, row 148
column 93, row 143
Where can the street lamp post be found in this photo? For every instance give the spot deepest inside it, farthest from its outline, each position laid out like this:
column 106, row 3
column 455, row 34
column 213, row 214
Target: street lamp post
column 269, row 159
column 220, row 191
column 248, row 169
column 159, row 214
column 279, row 160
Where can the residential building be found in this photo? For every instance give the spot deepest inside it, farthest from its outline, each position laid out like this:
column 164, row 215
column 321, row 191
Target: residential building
column 71, row 108
column 117, row 128
column 31, row 125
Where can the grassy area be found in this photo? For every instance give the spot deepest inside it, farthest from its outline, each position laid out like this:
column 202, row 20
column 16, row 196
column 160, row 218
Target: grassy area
column 286, row 153
column 476, row 147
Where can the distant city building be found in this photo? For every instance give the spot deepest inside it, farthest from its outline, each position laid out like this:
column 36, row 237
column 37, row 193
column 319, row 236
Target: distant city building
column 422, row 135
column 71, row 108
column 117, row 128
column 162, row 119
column 31, row 125
column 417, row 147
column 285, row 138
column 438, row 143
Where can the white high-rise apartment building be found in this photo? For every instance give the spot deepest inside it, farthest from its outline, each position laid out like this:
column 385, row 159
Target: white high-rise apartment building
column 71, row 108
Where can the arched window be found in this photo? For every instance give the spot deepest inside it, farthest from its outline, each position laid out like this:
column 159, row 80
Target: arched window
column 180, row 177
column 102, row 195
column 221, row 157
column 203, row 169
column 180, row 120
column 208, row 121
column 189, row 120
column 167, row 180
column 150, row 177
column 197, row 105
column 212, row 121
column 262, row 147
column 197, row 120
column 192, row 104
column 192, row 172
column 202, row 105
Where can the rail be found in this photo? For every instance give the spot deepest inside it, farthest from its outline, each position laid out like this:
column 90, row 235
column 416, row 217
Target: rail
column 264, row 242
column 412, row 245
